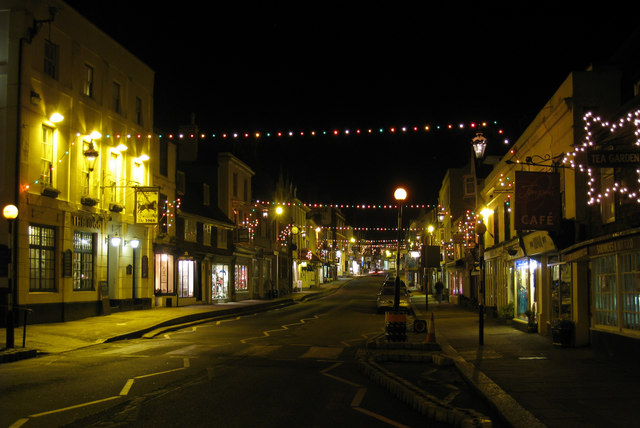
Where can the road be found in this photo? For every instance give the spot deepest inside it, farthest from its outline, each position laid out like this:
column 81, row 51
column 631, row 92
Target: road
column 286, row 367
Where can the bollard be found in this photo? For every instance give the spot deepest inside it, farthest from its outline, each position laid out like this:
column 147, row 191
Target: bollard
column 396, row 326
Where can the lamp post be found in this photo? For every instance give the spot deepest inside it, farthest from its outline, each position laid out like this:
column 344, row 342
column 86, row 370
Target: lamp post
column 10, row 212
column 479, row 144
column 400, row 194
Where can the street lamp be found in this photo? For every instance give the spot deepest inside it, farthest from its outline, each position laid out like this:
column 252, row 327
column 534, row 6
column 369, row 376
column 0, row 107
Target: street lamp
column 400, row 194
column 10, row 212
column 479, row 144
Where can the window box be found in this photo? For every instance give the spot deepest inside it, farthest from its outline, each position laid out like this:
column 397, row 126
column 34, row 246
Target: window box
column 88, row 201
column 50, row 192
column 116, row 208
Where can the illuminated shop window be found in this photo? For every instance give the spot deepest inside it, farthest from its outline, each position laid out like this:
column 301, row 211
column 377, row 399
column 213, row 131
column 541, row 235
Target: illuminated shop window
column 42, row 258
column 241, row 282
column 164, row 274
column 186, row 279
column 82, row 261
column 219, row 282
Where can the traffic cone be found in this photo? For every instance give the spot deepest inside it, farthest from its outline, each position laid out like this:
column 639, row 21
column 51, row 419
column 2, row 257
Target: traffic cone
column 431, row 334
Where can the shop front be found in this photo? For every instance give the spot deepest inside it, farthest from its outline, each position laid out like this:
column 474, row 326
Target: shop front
column 220, row 281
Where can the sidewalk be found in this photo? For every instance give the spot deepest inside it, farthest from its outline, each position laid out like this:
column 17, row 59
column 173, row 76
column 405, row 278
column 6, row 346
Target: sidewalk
column 65, row 336
column 529, row 380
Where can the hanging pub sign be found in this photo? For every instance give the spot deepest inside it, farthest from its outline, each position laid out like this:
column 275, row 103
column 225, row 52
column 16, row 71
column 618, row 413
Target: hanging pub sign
column 537, row 200
column 146, row 205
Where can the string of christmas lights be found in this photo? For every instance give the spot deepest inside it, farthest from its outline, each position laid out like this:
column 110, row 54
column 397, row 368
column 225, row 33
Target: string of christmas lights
column 615, row 186
column 258, row 203
column 392, row 130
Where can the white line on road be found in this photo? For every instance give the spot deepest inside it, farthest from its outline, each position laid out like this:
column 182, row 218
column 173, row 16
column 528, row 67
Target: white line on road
column 74, row 407
column 357, row 399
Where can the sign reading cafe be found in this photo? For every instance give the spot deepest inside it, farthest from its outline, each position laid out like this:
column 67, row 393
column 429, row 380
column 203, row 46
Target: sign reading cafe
column 146, row 205
column 537, row 200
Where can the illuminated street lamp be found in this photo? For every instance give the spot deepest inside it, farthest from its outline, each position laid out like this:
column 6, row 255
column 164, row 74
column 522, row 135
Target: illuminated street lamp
column 400, row 194
column 10, row 212
column 479, row 144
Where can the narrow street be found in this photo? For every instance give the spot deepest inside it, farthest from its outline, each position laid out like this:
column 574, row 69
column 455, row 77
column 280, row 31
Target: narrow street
column 269, row 369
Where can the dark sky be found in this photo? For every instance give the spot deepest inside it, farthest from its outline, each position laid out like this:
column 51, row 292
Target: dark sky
column 270, row 66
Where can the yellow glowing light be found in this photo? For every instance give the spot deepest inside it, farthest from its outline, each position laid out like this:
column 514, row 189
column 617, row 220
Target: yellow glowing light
column 95, row 135
column 279, row 210
column 56, row 118
column 121, row 147
column 10, row 212
column 400, row 194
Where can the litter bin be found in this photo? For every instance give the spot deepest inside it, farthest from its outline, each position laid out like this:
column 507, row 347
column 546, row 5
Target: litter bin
column 562, row 333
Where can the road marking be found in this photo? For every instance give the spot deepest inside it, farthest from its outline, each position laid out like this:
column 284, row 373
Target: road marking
column 50, row 412
column 283, row 328
column 357, row 399
column 227, row 320
column 127, row 386
column 19, row 423
column 380, row 418
column 532, row 358
column 325, row 372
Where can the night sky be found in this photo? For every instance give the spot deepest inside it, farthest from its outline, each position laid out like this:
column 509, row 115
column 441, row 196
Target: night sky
column 270, row 67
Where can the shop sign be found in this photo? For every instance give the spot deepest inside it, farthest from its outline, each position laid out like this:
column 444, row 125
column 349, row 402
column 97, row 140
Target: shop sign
column 146, row 205
column 86, row 222
column 614, row 246
column 538, row 242
column 613, row 158
column 537, row 200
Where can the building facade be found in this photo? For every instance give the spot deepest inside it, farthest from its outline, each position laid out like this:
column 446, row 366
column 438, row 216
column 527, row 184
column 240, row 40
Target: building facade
column 76, row 139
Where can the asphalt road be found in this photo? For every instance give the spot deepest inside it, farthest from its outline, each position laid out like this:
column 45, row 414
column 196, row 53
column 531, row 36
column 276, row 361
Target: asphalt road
column 287, row 367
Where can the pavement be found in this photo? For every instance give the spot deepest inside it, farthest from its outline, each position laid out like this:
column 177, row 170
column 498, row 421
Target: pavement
column 524, row 380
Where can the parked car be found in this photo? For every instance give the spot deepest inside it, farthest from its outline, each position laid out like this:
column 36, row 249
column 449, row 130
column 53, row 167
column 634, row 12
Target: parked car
column 387, row 296
column 391, row 283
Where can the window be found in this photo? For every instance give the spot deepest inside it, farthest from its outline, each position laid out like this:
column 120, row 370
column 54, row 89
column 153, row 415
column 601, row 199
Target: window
column 630, row 289
column 164, row 274
column 608, row 208
column 116, row 97
column 241, row 278
column 163, row 215
column 469, row 185
column 42, row 263
column 235, row 184
column 115, row 170
column 190, row 230
column 46, row 156
column 245, row 190
column 88, row 81
column 83, row 261
column 138, row 111
column 164, row 157
column 605, row 288
column 222, row 238
column 180, row 182
column 206, row 194
column 507, row 220
column 186, row 279
column 51, row 59
column 206, row 234
column 496, row 227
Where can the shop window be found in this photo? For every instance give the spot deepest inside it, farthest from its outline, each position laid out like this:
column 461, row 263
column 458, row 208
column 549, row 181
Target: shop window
column 83, row 259
column 525, row 283
column 241, row 280
column 220, row 282
column 164, row 274
column 42, row 263
column 186, row 278
column 605, row 290
column 561, row 300
column 630, row 288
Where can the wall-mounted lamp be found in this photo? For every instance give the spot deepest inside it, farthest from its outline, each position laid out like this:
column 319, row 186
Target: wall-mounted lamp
column 115, row 241
column 56, row 118
column 91, row 154
column 479, row 143
column 134, row 243
column 143, row 158
column 121, row 147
